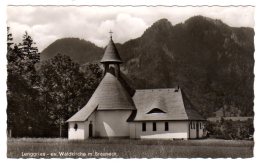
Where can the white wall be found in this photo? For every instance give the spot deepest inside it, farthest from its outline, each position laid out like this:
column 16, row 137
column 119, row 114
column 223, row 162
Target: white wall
column 193, row 133
column 78, row 134
column 132, row 129
column 177, row 130
column 112, row 123
column 83, row 129
column 201, row 129
column 107, row 123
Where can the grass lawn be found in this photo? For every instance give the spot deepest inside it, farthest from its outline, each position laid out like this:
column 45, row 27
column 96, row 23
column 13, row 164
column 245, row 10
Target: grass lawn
column 125, row 148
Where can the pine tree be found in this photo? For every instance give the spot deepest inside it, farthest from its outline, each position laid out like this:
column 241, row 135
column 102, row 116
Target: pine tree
column 29, row 57
column 9, row 39
column 22, row 98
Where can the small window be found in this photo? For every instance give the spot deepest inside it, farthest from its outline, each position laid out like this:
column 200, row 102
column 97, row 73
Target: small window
column 75, row 126
column 143, row 126
column 166, row 126
column 194, row 126
column 154, row 126
column 190, row 125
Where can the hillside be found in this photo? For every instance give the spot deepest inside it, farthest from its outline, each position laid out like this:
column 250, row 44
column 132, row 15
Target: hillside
column 211, row 61
column 79, row 50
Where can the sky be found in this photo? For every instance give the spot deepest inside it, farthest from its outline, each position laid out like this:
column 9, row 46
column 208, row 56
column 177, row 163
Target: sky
column 48, row 23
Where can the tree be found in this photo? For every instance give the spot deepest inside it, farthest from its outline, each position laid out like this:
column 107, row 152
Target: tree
column 22, row 58
column 246, row 129
column 65, row 88
column 9, row 39
column 21, row 96
column 30, row 56
column 92, row 73
column 39, row 101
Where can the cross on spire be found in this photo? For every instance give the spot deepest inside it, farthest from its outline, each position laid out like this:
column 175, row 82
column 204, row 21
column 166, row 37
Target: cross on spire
column 110, row 34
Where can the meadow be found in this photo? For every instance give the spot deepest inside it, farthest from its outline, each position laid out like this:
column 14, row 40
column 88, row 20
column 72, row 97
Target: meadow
column 126, row 148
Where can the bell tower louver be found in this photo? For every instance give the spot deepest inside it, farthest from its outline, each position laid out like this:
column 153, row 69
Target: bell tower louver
column 111, row 59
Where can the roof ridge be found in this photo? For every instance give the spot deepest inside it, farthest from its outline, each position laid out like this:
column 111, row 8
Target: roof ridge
column 189, row 109
column 181, row 93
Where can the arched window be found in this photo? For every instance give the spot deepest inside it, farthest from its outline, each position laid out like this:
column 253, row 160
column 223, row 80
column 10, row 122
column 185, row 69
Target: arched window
column 75, row 126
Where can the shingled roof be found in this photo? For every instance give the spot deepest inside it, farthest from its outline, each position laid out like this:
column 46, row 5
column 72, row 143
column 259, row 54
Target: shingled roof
column 115, row 93
column 169, row 101
column 111, row 54
column 109, row 95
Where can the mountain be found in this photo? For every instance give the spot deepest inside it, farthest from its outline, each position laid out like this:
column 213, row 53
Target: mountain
column 79, row 50
column 212, row 62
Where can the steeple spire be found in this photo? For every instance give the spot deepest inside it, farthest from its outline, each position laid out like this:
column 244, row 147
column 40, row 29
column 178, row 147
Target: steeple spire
column 111, row 59
column 111, row 54
column 110, row 34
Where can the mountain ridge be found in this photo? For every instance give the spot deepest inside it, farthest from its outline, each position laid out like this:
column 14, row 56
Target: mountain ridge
column 206, row 57
column 79, row 50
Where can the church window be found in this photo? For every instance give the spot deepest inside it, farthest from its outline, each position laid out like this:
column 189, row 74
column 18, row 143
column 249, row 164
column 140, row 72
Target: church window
column 75, row 126
column 154, row 126
column 143, row 126
column 166, row 126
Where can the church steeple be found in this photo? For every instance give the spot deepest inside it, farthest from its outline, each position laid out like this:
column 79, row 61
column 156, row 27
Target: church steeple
column 111, row 59
column 111, row 54
column 110, row 32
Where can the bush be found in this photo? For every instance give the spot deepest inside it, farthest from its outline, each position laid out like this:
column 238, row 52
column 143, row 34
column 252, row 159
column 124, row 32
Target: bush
column 230, row 130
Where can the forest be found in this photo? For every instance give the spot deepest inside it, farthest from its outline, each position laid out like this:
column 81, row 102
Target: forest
column 41, row 96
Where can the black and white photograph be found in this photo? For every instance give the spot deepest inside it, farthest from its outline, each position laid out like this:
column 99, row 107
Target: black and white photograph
column 130, row 81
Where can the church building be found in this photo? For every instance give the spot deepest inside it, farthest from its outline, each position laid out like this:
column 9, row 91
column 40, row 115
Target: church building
column 116, row 110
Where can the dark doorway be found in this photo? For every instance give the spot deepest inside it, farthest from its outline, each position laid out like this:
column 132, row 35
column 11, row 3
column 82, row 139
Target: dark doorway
column 90, row 130
column 197, row 130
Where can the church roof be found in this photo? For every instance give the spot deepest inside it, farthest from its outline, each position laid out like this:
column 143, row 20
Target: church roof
column 109, row 95
column 111, row 54
column 127, row 84
column 158, row 104
column 170, row 101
